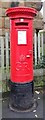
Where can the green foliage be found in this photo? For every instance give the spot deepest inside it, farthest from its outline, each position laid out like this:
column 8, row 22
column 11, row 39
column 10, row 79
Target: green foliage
column 5, row 86
column 39, row 81
column 41, row 63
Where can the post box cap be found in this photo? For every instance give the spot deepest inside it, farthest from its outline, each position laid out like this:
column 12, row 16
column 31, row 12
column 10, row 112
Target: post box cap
column 21, row 12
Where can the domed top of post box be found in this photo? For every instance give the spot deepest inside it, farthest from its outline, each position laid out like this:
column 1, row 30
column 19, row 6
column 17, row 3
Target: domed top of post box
column 18, row 12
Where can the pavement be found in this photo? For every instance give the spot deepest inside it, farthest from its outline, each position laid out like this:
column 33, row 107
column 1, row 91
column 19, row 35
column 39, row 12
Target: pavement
column 36, row 113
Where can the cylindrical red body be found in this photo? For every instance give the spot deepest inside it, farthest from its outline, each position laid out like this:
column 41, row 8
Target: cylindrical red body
column 21, row 58
column 21, row 51
column 21, row 44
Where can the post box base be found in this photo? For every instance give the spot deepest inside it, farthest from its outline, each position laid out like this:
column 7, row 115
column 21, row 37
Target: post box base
column 22, row 97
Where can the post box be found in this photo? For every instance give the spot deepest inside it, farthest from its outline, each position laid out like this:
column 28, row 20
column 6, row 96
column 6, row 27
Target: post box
column 21, row 56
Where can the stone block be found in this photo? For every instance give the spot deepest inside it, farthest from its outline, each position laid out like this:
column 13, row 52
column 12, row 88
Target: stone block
column 6, row 4
column 2, row 21
column 28, row 4
column 7, row 30
column 38, row 24
column 7, row 22
column 21, row 4
column 0, row 4
column 34, row 4
column 2, row 32
column 2, row 12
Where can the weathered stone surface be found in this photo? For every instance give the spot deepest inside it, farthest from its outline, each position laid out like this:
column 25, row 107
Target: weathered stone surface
column 0, row 4
column 21, row 3
column 35, row 4
column 39, row 16
column 39, row 72
column 7, row 30
column 38, row 24
column 2, row 32
column 2, row 22
column 38, row 21
column 2, row 12
column 7, row 22
column 6, row 4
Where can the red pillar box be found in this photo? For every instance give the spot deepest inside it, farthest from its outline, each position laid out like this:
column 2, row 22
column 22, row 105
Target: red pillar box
column 21, row 56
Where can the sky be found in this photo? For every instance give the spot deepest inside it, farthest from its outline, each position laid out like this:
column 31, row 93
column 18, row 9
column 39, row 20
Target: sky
column 42, row 7
column 42, row 0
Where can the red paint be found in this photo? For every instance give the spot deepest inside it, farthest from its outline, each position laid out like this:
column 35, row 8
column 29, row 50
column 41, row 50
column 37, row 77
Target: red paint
column 21, row 53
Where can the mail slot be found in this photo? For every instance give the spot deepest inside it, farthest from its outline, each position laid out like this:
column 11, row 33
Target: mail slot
column 21, row 54
column 21, row 24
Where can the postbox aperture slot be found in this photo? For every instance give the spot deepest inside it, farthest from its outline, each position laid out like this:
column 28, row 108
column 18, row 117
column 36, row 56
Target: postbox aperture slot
column 21, row 24
column 22, row 39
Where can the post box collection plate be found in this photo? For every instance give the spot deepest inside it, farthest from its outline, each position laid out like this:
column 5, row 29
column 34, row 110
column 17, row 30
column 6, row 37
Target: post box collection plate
column 22, row 37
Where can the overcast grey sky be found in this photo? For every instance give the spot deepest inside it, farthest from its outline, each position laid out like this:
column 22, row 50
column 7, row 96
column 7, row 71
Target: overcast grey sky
column 42, row 0
column 42, row 7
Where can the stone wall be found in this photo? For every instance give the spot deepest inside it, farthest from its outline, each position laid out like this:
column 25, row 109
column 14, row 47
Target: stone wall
column 4, row 20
